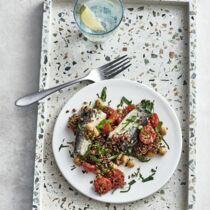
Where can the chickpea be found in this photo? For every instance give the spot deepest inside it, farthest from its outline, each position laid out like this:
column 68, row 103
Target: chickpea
column 124, row 159
column 163, row 130
column 99, row 104
column 119, row 156
column 77, row 160
column 162, row 151
column 130, row 163
column 96, row 133
column 90, row 127
column 114, row 166
column 91, row 131
column 150, row 154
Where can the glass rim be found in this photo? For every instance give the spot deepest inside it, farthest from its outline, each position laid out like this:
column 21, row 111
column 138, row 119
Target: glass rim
column 95, row 33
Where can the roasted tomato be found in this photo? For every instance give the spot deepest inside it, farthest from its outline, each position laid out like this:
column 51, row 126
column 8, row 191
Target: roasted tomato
column 102, row 185
column 109, row 111
column 154, row 120
column 115, row 118
column 89, row 167
column 147, row 134
column 106, row 129
column 119, row 120
column 117, row 178
column 130, row 107
column 113, row 115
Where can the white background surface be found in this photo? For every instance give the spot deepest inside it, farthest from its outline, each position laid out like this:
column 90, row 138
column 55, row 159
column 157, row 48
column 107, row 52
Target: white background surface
column 20, row 36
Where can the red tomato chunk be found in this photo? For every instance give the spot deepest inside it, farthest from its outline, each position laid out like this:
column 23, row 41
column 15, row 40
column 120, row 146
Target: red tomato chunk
column 130, row 107
column 117, row 178
column 89, row 167
column 147, row 134
column 106, row 129
column 102, row 185
column 154, row 120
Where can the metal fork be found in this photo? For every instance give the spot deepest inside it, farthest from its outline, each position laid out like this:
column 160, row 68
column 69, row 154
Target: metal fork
column 106, row 71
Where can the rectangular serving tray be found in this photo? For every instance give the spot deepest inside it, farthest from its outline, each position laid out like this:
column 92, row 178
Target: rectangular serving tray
column 160, row 37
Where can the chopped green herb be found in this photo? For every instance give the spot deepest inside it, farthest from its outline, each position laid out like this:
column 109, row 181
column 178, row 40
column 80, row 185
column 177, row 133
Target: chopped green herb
column 105, row 171
column 103, row 94
column 84, row 157
column 99, row 152
column 113, row 191
column 73, row 167
column 132, row 182
column 147, row 105
column 136, row 174
column 62, row 146
column 143, row 158
column 129, row 186
column 159, row 127
column 129, row 120
column 149, row 178
column 79, row 127
column 124, row 100
column 113, row 157
column 153, row 170
column 124, row 191
column 109, row 102
column 166, row 143
column 100, row 149
column 95, row 159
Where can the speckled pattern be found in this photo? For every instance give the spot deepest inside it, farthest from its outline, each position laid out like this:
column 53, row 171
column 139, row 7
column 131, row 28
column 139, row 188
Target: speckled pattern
column 162, row 47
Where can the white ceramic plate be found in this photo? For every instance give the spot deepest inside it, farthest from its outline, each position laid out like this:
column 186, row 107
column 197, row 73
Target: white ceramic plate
column 166, row 165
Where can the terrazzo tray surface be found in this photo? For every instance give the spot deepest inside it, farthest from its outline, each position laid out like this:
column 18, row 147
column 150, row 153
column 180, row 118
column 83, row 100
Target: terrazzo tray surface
column 160, row 38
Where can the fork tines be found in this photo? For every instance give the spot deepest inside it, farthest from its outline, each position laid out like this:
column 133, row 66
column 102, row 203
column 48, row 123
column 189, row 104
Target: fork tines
column 115, row 67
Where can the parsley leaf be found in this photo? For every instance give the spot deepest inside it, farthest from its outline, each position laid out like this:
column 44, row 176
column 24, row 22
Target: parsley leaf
column 62, row 146
column 164, row 141
column 129, row 120
column 147, row 105
column 159, row 127
column 103, row 94
column 95, row 159
column 143, row 158
column 124, row 100
column 129, row 186
column 149, row 178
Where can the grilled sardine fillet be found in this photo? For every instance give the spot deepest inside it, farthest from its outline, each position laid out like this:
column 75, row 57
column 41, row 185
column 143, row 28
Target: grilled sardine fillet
column 130, row 123
column 90, row 117
column 129, row 128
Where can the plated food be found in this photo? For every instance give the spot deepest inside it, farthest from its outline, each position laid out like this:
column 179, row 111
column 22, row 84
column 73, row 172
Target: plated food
column 107, row 137
column 132, row 169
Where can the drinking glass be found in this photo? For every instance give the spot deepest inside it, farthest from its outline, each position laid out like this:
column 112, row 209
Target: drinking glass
column 108, row 13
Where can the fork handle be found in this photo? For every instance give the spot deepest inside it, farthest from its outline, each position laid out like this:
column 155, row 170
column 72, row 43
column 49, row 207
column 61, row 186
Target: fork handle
column 34, row 97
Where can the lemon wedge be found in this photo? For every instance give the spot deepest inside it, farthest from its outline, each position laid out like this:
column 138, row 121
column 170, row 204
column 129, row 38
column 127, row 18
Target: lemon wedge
column 90, row 20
